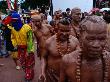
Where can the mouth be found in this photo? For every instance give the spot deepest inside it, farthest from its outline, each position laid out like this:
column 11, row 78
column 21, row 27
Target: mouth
column 37, row 25
column 64, row 38
column 95, row 49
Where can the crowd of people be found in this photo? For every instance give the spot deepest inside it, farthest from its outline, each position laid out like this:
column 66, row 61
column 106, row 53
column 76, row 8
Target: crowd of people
column 72, row 46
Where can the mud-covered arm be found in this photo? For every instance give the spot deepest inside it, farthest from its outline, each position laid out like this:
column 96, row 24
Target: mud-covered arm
column 42, row 47
column 51, row 29
column 43, row 66
column 44, row 60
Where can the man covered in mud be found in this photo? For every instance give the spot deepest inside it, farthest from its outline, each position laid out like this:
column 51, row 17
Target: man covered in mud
column 92, row 62
column 56, row 47
column 76, row 19
column 41, row 31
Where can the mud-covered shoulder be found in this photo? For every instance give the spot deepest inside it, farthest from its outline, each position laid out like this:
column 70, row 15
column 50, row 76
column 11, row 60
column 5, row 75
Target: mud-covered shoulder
column 74, row 39
column 106, row 55
column 46, row 25
column 51, row 39
column 71, row 58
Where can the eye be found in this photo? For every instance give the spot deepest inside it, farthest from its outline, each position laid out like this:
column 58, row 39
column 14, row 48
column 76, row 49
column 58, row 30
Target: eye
column 102, row 38
column 90, row 38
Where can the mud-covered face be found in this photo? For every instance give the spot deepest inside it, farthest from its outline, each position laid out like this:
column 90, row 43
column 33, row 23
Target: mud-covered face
column 36, row 22
column 63, row 32
column 94, row 40
column 58, row 14
column 76, row 16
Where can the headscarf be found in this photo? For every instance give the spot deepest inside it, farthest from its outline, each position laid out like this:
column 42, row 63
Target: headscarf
column 18, row 23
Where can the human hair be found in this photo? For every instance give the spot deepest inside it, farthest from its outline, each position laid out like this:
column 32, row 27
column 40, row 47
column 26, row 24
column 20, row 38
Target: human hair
column 64, row 14
column 68, row 9
column 64, row 21
column 74, row 10
column 36, row 17
column 85, row 24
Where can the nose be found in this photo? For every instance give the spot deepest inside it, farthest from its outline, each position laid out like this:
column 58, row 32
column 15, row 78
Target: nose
column 37, row 22
column 64, row 33
column 96, row 44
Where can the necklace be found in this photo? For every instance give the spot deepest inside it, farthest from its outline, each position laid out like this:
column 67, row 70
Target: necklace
column 104, row 67
column 76, row 31
column 59, row 46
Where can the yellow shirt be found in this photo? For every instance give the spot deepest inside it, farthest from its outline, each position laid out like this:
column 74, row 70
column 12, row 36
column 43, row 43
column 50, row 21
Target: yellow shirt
column 20, row 37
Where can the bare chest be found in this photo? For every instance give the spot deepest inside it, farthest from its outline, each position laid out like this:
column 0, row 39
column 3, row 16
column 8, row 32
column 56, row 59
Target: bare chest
column 55, row 49
column 44, row 32
column 75, row 31
column 90, row 72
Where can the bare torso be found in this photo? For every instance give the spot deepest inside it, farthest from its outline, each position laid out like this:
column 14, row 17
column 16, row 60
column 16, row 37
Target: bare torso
column 54, row 58
column 42, row 35
column 91, row 71
column 44, row 32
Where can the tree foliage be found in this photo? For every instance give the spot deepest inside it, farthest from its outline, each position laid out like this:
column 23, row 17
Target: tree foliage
column 33, row 4
column 3, row 6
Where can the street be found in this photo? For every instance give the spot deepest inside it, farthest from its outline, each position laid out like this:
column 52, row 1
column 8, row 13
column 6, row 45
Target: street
column 8, row 72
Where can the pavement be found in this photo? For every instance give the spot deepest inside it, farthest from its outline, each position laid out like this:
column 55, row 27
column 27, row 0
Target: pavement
column 8, row 72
